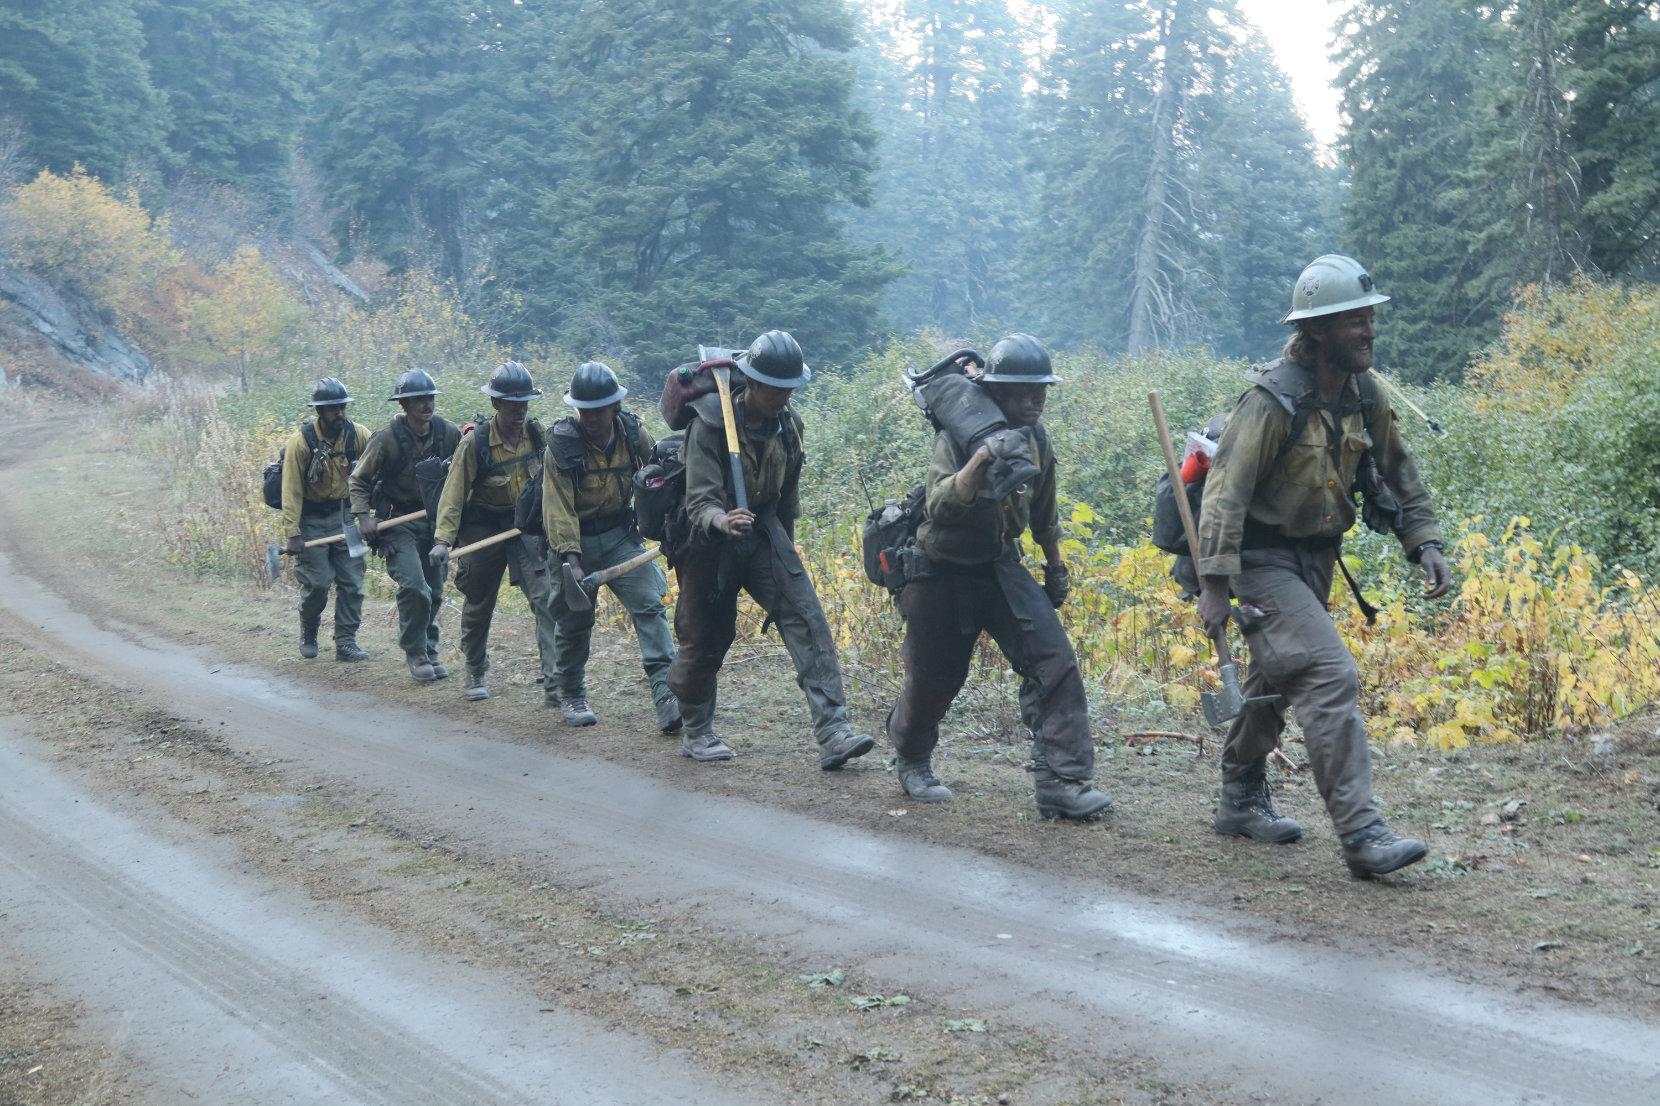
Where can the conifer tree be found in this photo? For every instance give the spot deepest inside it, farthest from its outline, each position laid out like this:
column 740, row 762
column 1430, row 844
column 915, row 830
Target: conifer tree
column 72, row 71
column 710, row 146
column 235, row 75
column 1412, row 71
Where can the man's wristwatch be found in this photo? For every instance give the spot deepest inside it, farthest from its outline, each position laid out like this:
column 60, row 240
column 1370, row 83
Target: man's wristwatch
column 1418, row 553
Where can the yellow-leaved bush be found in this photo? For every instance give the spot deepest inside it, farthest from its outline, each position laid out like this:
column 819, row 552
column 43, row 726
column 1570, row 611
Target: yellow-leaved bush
column 1529, row 645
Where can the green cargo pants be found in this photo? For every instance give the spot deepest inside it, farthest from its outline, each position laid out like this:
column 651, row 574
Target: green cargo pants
column 641, row 594
column 1296, row 652
column 478, row 579
column 420, row 585
column 318, row 568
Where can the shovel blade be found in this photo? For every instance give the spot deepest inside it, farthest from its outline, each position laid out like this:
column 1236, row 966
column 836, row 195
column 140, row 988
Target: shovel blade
column 576, row 596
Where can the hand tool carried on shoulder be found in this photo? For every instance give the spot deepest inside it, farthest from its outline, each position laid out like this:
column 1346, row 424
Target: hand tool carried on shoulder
column 579, row 594
column 723, row 381
column 1222, row 706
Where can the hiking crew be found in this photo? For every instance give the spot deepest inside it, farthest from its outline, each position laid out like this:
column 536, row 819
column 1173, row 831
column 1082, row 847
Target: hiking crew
column 492, row 464
column 588, row 516
column 1276, row 505
column 968, row 578
column 383, row 486
column 753, row 549
column 317, row 460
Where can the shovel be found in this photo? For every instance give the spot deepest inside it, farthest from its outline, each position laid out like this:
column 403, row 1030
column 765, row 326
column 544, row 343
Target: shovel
column 1221, row 707
column 579, row 594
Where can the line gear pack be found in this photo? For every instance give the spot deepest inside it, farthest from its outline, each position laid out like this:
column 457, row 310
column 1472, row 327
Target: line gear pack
column 380, row 500
column 660, row 492
column 1380, row 507
column 888, row 532
column 270, row 484
column 570, row 457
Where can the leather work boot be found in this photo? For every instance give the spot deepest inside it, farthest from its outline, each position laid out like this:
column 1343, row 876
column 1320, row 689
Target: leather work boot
column 698, row 740
column 1377, row 850
column 918, row 779
column 308, row 641
column 420, row 668
column 439, row 672
column 576, row 712
column 475, row 686
column 1245, row 808
column 1059, row 797
column 837, row 749
column 345, row 649
column 668, row 715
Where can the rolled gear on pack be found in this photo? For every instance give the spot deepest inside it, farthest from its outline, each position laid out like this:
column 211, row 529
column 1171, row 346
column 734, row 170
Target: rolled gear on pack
column 959, row 406
column 692, row 381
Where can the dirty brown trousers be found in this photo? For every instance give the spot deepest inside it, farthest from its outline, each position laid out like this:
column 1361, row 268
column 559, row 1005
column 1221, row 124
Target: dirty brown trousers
column 1296, row 652
column 710, row 572
column 945, row 612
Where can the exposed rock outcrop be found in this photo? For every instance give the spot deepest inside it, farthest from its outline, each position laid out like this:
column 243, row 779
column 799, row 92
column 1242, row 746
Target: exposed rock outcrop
column 39, row 319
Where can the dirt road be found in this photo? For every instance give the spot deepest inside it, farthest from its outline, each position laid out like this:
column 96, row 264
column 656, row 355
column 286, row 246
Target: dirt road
column 224, row 988
column 1081, row 961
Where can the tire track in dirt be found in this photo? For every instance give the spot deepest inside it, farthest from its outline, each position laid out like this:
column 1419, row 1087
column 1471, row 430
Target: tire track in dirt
column 1088, row 963
column 245, row 995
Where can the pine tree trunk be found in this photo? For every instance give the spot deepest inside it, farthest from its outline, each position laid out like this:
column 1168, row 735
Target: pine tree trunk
column 1148, row 308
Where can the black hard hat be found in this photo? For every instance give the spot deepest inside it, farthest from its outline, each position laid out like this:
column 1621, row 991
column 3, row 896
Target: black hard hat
column 594, row 385
column 1019, row 359
column 775, row 358
column 328, row 392
column 415, row 382
column 511, row 381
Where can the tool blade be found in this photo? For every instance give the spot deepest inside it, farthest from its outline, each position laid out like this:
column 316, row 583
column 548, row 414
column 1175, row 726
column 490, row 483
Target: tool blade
column 576, row 596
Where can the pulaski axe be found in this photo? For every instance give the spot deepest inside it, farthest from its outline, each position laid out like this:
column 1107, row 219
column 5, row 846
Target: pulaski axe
column 1221, row 707
column 349, row 533
column 579, row 593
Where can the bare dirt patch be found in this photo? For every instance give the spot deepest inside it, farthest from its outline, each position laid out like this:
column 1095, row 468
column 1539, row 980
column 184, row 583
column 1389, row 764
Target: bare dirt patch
column 47, row 1056
column 1544, row 858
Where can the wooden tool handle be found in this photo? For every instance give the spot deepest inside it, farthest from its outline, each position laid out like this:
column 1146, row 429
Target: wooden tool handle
column 400, row 520
column 1179, row 489
column 331, row 539
column 606, row 575
column 723, row 382
column 485, row 543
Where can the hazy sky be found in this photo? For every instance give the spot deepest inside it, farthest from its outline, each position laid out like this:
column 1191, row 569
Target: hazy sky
column 1300, row 32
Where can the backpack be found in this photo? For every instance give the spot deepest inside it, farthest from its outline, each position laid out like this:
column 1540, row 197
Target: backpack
column 660, row 491
column 888, row 530
column 270, row 482
column 432, row 473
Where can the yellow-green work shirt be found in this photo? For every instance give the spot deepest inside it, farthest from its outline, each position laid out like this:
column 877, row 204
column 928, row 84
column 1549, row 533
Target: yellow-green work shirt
column 496, row 492
column 605, row 487
column 296, row 459
column 969, row 529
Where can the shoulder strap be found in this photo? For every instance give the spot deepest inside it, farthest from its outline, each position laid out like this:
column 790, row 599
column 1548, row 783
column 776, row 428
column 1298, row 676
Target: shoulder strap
column 631, row 439
column 309, row 432
column 482, row 461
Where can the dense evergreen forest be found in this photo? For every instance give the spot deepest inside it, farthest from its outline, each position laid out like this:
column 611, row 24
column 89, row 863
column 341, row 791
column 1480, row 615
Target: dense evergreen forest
column 626, row 177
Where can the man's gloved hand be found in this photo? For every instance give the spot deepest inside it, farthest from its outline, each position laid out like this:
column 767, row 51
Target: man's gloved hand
column 1057, row 584
column 1437, row 576
column 367, row 525
column 1012, row 465
column 1214, row 607
column 439, row 558
column 296, row 544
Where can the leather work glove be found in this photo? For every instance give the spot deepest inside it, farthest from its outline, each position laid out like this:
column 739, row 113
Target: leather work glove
column 439, row 558
column 296, row 544
column 1437, row 576
column 1012, row 465
column 1057, row 584
column 367, row 525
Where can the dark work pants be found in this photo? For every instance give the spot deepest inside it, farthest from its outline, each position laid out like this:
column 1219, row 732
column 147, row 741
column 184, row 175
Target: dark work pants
column 324, row 566
column 711, row 572
column 945, row 613
column 1296, row 652
column 478, row 579
column 420, row 584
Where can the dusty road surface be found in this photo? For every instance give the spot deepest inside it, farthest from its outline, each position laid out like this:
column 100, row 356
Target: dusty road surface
column 1090, row 966
column 223, row 988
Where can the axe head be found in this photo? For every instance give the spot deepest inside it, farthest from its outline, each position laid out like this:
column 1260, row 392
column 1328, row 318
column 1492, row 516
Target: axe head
column 355, row 545
column 1223, row 705
column 273, row 562
column 576, row 596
